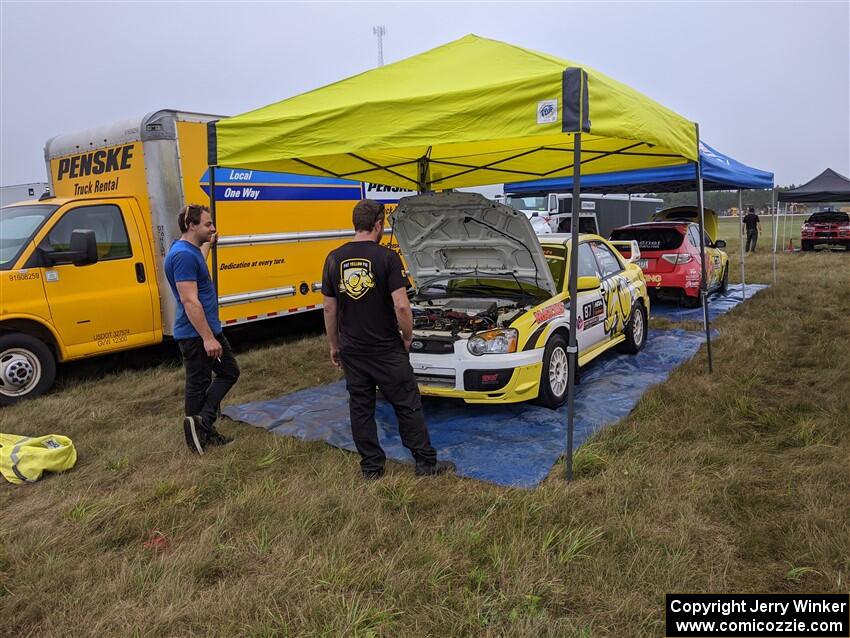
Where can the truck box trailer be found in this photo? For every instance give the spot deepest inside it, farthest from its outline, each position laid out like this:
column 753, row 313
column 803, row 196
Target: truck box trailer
column 600, row 214
column 21, row 192
column 64, row 296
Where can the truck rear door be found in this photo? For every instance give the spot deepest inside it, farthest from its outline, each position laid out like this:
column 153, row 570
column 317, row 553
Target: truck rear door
column 108, row 305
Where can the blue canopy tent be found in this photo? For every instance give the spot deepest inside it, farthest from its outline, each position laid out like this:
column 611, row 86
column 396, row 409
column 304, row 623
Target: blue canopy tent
column 719, row 172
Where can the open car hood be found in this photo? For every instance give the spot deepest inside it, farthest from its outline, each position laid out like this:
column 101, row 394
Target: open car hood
column 447, row 234
column 689, row 214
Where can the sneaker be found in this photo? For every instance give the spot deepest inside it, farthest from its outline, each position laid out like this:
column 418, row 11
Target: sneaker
column 193, row 433
column 434, row 469
column 217, row 438
column 373, row 475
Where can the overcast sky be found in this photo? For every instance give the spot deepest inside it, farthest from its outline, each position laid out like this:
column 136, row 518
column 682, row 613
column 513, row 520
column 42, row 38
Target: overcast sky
column 769, row 82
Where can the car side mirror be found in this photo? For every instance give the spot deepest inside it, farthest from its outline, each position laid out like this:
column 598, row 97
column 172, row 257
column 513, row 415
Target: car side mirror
column 83, row 249
column 720, row 244
column 591, row 282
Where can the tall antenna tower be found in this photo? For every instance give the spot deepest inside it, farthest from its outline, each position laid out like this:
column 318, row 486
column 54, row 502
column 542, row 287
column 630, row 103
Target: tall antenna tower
column 380, row 31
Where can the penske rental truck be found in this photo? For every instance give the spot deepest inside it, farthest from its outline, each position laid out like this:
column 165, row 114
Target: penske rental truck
column 81, row 268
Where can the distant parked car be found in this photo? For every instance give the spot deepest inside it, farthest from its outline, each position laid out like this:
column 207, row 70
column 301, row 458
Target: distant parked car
column 670, row 258
column 827, row 227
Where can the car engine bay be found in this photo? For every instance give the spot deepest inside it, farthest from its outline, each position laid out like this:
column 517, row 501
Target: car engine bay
column 463, row 317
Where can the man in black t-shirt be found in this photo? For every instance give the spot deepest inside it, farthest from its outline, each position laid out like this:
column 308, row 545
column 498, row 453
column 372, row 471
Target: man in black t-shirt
column 753, row 224
column 370, row 327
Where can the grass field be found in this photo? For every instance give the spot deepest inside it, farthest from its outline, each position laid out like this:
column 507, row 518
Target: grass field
column 734, row 482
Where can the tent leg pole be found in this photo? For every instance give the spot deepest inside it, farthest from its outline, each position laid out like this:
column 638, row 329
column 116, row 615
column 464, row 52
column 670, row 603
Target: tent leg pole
column 775, row 212
column 741, row 224
column 703, row 287
column 784, row 227
column 630, row 209
column 214, row 251
column 572, row 347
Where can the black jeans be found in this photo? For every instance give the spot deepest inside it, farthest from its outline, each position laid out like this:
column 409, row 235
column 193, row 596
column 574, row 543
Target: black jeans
column 203, row 393
column 752, row 238
column 391, row 372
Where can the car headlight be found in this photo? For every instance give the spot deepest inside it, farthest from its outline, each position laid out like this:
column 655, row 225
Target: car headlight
column 493, row 342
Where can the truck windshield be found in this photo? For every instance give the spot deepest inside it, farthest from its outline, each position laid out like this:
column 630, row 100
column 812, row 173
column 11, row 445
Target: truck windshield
column 528, row 203
column 17, row 226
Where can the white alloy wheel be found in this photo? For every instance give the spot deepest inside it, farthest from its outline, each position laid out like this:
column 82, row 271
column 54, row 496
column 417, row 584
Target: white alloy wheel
column 637, row 327
column 559, row 371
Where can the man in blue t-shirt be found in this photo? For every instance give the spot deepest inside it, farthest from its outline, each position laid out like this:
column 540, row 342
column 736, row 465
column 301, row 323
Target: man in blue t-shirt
column 197, row 328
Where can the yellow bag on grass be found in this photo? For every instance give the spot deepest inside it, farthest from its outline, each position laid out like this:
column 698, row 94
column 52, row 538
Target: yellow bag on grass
column 23, row 459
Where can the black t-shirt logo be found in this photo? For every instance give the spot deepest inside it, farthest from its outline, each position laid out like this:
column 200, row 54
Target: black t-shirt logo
column 356, row 277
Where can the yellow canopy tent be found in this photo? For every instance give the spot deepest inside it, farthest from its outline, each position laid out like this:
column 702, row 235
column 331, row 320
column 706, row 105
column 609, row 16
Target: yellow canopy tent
column 468, row 113
column 471, row 112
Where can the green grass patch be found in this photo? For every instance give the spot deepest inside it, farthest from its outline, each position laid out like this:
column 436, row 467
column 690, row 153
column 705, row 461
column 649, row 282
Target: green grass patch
column 735, row 481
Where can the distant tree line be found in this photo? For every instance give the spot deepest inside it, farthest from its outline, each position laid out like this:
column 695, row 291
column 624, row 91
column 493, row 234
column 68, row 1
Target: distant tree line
column 721, row 201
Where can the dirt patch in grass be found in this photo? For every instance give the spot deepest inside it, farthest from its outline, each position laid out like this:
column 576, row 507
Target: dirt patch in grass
column 738, row 481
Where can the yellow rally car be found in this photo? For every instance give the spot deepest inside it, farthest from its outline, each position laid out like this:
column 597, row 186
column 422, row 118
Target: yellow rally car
column 491, row 301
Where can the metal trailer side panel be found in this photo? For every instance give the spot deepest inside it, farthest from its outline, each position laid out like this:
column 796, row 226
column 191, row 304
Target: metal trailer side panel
column 166, row 194
column 613, row 211
column 15, row 193
column 165, row 198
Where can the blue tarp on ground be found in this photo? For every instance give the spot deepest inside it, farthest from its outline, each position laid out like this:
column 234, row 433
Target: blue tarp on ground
column 718, row 304
column 719, row 172
column 513, row 445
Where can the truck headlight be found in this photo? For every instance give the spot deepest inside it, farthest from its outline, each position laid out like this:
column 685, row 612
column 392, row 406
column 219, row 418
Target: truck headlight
column 493, row 342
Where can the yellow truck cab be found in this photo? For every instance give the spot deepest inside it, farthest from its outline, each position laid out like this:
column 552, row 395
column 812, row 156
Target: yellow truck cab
column 81, row 271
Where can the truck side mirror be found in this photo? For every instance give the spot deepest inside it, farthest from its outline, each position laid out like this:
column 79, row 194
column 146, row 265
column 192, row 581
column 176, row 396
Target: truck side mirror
column 83, row 249
column 552, row 206
column 720, row 244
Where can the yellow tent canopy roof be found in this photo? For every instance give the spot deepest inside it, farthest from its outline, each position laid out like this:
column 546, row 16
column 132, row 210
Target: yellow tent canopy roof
column 473, row 111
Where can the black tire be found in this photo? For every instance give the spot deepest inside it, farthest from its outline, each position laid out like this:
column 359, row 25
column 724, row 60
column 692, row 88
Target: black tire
column 691, row 302
column 806, row 245
column 724, row 280
column 635, row 331
column 27, row 368
column 555, row 353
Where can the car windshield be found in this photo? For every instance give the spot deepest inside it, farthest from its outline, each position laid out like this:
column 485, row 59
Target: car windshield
column 528, row 203
column 17, row 226
column 829, row 217
column 651, row 238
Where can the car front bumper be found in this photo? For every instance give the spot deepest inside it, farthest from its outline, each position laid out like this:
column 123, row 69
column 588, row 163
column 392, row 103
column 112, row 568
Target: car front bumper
column 489, row 378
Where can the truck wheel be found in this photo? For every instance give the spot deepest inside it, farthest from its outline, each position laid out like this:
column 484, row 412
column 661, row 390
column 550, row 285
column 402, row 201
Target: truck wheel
column 806, row 245
column 635, row 331
column 724, row 281
column 27, row 368
column 555, row 374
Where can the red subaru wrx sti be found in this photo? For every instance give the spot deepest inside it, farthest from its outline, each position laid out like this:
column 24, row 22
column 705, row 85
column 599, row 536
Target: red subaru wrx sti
column 670, row 259
column 826, row 227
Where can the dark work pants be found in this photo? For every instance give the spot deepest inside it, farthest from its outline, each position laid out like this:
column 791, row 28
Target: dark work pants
column 391, row 372
column 203, row 393
column 752, row 238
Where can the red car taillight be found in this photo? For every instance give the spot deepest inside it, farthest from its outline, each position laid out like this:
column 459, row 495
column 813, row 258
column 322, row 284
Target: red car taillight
column 677, row 258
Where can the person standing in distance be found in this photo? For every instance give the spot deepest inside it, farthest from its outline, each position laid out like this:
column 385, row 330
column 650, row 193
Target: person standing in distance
column 197, row 329
column 370, row 328
column 753, row 225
